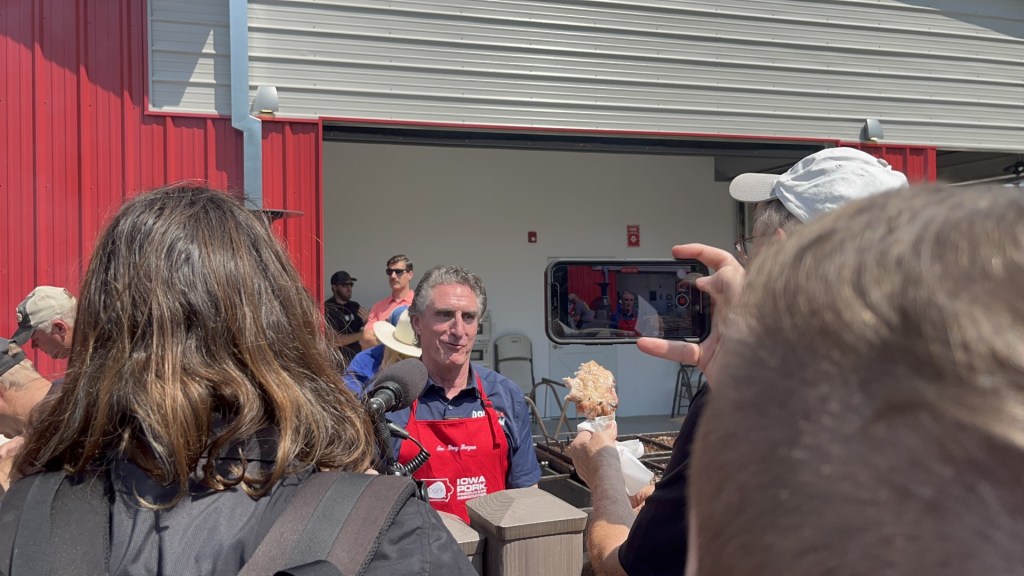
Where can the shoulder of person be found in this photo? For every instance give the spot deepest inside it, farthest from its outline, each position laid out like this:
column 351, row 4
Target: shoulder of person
column 366, row 358
column 498, row 385
column 417, row 542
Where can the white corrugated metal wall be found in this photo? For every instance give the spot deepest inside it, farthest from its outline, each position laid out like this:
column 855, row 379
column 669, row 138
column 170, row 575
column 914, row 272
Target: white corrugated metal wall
column 944, row 73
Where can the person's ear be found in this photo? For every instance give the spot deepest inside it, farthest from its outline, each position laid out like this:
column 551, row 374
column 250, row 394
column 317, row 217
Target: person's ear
column 61, row 328
column 415, row 321
column 780, row 234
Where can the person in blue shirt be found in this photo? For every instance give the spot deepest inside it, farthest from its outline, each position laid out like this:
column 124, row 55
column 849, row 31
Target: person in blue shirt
column 397, row 342
column 473, row 421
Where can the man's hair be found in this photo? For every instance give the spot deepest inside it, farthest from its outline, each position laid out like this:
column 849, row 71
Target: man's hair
column 869, row 415
column 195, row 334
column 771, row 216
column 445, row 275
column 400, row 258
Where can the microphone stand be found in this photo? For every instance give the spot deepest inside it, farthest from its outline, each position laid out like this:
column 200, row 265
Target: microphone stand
column 384, row 430
column 383, row 435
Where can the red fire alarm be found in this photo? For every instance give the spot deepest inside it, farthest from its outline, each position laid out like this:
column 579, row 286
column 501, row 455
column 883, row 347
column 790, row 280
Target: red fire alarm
column 633, row 236
column 531, row 237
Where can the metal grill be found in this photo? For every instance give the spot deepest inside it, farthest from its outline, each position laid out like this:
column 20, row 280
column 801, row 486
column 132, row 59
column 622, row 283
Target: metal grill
column 559, row 475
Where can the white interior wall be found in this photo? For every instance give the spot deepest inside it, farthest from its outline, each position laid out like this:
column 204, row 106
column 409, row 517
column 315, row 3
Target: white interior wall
column 474, row 206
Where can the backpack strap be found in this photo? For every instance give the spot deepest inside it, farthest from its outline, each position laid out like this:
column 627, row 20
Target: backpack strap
column 332, row 526
column 374, row 512
column 81, row 526
column 31, row 551
column 272, row 553
column 60, row 526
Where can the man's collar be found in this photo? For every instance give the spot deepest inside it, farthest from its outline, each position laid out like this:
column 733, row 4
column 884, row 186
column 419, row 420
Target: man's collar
column 470, row 383
column 407, row 294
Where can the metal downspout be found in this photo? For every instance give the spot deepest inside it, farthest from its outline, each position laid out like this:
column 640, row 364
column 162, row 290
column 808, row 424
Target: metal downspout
column 251, row 127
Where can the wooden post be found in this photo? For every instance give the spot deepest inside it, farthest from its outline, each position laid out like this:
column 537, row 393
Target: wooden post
column 529, row 532
column 471, row 542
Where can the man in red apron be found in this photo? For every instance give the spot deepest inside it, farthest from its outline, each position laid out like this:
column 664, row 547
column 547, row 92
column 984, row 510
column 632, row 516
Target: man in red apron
column 473, row 421
column 625, row 317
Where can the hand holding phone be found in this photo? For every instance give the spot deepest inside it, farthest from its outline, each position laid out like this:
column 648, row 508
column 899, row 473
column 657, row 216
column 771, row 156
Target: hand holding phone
column 724, row 288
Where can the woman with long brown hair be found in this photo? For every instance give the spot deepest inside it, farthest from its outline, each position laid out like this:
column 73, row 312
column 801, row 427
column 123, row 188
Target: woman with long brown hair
column 200, row 389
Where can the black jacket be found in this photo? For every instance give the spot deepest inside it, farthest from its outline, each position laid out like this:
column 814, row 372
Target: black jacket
column 215, row 532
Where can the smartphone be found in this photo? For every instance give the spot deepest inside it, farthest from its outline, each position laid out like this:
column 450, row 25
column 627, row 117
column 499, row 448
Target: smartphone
column 612, row 301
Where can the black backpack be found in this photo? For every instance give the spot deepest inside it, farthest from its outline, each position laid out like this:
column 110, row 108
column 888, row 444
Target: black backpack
column 332, row 526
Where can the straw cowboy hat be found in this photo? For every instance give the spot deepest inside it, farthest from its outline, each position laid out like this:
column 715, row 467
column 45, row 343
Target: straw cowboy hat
column 398, row 337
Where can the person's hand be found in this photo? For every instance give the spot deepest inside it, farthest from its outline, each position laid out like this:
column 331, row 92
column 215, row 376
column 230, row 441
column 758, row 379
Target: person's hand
column 725, row 287
column 637, row 500
column 363, row 313
column 11, row 447
column 591, row 450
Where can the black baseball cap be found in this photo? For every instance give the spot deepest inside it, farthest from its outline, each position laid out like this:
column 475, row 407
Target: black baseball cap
column 341, row 277
column 8, row 360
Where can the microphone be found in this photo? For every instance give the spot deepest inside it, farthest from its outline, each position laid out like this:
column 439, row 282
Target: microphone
column 396, row 387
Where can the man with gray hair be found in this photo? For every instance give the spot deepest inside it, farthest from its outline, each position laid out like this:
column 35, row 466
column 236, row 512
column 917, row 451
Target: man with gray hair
column 21, row 389
column 47, row 317
column 649, row 541
column 474, row 421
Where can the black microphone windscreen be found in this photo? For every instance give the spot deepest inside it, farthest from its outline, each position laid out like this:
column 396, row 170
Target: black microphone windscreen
column 411, row 377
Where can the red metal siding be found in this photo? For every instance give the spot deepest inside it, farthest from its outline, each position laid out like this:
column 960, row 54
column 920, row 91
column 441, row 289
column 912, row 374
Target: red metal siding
column 917, row 162
column 77, row 142
column 292, row 180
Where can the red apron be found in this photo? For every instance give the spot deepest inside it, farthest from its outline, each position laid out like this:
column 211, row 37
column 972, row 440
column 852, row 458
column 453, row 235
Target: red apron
column 468, row 457
column 627, row 324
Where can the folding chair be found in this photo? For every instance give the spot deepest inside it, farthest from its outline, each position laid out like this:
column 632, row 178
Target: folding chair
column 513, row 359
column 685, row 389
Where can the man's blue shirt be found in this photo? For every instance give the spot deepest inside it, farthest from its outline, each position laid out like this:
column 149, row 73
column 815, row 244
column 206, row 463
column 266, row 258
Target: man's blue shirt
column 363, row 368
column 513, row 415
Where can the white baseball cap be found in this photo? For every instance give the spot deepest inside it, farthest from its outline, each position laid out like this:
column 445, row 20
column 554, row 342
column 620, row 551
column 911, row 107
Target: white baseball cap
column 820, row 182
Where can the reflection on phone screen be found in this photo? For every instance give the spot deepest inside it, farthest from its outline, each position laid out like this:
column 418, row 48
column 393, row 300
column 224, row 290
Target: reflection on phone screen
column 593, row 301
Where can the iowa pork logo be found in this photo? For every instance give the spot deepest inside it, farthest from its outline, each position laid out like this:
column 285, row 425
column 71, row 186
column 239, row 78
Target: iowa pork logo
column 438, row 489
column 472, row 487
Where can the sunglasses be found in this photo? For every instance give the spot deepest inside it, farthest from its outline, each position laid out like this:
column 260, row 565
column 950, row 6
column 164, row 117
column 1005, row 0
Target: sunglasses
column 396, row 271
column 347, row 284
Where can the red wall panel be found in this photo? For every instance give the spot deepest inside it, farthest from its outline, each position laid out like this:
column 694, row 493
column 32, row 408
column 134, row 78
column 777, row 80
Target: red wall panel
column 292, row 179
column 77, row 142
column 918, row 163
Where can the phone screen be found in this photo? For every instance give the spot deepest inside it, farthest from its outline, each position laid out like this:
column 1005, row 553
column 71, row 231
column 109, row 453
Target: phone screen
column 616, row 301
